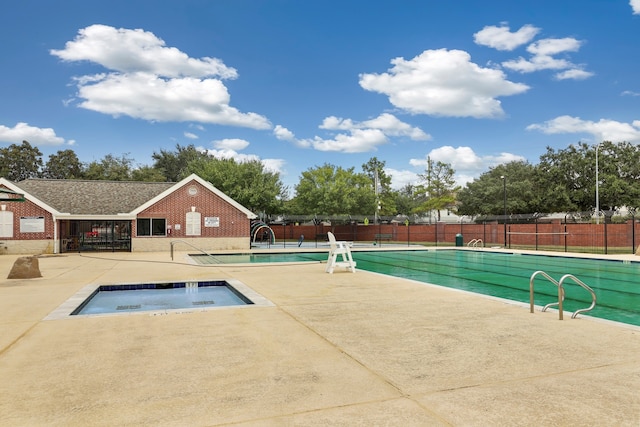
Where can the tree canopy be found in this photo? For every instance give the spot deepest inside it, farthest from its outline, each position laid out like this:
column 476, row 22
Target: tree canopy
column 18, row 162
column 173, row 164
column 439, row 186
column 564, row 180
column 486, row 194
column 246, row 182
column 374, row 169
column 63, row 165
column 332, row 190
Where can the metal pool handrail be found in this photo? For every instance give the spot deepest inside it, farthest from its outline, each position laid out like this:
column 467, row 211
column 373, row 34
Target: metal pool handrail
column 173, row 242
column 560, row 285
column 474, row 242
column 560, row 293
column 585, row 286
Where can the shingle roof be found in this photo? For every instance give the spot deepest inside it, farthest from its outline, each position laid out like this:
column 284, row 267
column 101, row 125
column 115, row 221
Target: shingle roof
column 79, row 197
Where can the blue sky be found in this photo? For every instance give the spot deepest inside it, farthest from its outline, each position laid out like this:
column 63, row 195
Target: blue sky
column 297, row 84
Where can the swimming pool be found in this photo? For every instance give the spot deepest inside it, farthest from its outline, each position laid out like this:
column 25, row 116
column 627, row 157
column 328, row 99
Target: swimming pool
column 503, row 275
column 160, row 296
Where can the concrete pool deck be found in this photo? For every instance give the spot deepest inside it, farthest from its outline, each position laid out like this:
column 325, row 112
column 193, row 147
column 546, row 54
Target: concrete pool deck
column 342, row 349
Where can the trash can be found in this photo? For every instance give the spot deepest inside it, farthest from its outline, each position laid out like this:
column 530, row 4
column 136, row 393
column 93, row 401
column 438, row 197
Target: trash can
column 459, row 240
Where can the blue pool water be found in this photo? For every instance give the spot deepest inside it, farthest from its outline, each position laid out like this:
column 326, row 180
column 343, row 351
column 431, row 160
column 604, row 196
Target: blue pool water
column 504, row 275
column 160, row 296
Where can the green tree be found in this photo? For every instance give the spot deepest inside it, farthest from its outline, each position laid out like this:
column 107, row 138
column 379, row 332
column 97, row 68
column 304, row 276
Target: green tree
column 248, row 183
column 19, row 162
column 486, row 194
column 440, row 187
column 147, row 174
column 63, row 165
column 567, row 177
column 332, row 190
column 110, row 168
column 408, row 199
column 618, row 174
column 174, row 164
column 374, row 169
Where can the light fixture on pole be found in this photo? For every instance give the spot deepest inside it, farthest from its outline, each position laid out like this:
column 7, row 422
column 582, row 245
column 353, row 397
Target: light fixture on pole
column 504, row 190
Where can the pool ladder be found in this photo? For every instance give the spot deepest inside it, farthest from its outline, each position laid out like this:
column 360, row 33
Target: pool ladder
column 173, row 243
column 560, row 285
column 473, row 243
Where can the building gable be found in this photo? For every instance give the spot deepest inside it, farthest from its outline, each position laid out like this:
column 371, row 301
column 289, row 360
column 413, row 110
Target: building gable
column 196, row 185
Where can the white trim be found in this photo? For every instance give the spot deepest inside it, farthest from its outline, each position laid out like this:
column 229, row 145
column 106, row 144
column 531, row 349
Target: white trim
column 118, row 217
column 54, row 213
column 186, row 181
column 29, row 197
column 6, row 224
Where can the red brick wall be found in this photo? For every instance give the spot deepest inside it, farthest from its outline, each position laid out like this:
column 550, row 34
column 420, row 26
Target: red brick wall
column 28, row 209
column 618, row 235
column 174, row 207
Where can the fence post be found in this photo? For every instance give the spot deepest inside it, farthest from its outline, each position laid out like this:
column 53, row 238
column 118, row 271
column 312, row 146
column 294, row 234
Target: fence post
column 436, row 233
column 633, row 233
column 605, row 236
column 484, row 232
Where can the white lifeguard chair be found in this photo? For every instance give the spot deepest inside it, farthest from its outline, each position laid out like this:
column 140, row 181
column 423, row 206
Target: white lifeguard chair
column 339, row 248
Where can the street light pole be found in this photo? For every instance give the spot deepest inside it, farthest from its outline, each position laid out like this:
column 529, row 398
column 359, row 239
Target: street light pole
column 597, row 188
column 504, row 190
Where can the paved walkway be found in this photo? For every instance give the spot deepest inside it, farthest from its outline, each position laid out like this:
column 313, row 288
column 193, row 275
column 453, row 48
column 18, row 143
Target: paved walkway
column 344, row 349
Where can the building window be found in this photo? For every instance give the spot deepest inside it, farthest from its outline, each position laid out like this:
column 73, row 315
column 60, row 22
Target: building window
column 6, row 223
column 193, row 221
column 152, row 227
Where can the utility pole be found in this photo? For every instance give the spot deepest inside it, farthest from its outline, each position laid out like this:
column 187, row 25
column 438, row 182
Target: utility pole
column 376, row 184
column 429, row 184
column 504, row 191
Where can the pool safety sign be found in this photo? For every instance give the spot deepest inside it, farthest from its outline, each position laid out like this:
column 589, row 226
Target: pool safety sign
column 32, row 224
column 212, row 221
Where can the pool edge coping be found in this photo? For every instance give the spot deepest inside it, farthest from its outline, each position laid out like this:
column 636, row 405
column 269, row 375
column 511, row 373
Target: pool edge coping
column 64, row 310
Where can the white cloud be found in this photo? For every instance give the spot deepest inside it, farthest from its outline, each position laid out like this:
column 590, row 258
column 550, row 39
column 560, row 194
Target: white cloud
column 360, row 137
column 501, row 38
column 574, row 74
column 127, row 51
column 443, row 83
column 231, row 143
column 464, row 161
column 358, row 141
column 542, row 58
column 387, row 123
column 401, row 178
column 274, row 165
column 228, row 153
column 150, row 81
column 149, row 97
column 630, row 92
column 271, row 165
column 190, row 135
column 283, row 133
column 536, row 63
column 635, row 6
column 548, row 47
column 34, row 135
column 602, row 130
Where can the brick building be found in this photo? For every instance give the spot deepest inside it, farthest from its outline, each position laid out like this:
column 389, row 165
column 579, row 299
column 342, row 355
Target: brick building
column 60, row 216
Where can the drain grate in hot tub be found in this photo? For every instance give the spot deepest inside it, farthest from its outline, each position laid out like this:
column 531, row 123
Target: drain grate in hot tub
column 208, row 302
column 128, row 307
